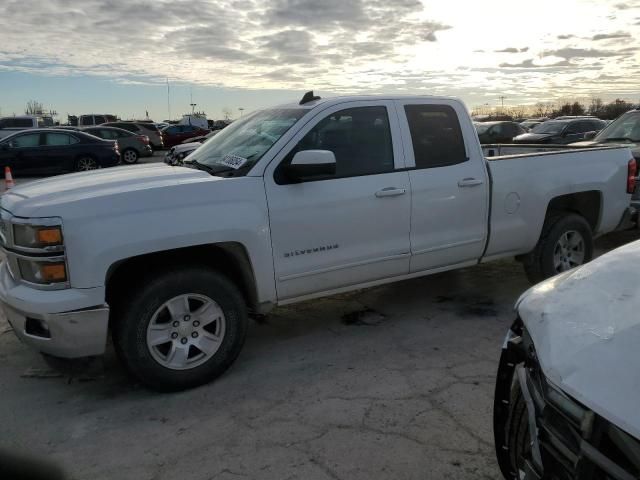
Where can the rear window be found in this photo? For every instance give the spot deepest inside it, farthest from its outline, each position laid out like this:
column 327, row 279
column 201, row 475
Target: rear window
column 436, row 135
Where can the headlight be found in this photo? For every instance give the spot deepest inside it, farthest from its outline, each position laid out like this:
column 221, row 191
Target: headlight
column 43, row 273
column 37, row 237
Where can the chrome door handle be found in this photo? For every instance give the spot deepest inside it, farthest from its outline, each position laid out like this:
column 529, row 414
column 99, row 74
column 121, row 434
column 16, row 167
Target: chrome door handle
column 390, row 192
column 469, row 182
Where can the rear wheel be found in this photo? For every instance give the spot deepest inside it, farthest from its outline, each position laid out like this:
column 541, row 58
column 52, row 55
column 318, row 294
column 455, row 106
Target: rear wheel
column 181, row 329
column 566, row 242
column 129, row 156
column 86, row 163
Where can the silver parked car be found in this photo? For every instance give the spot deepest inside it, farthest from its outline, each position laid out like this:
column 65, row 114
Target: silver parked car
column 132, row 146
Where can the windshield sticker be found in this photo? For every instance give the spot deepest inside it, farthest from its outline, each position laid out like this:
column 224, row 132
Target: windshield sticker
column 232, row 161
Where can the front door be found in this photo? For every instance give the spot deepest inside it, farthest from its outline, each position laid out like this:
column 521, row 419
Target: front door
column 349, row 228
column 24, row 153
column 449, row 185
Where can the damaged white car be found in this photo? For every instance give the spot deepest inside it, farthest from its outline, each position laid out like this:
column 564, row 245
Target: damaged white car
column 568, row 390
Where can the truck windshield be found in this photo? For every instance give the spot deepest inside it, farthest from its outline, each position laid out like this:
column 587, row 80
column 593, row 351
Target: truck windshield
column 626, row 127
column 240, row 145
column 549, row 127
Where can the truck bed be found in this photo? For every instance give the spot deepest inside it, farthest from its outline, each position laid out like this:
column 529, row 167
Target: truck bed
column 534, row 175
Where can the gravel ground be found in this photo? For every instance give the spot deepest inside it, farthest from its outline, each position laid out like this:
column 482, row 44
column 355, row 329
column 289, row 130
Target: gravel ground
column 403, row 392
column 392, row 382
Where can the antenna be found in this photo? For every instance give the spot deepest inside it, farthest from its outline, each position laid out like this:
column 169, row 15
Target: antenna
column 309, row 97
column 168, row 99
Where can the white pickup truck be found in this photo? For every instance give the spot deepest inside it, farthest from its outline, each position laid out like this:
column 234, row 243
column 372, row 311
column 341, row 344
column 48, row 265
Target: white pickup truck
column 286, row 204
column 11, row 125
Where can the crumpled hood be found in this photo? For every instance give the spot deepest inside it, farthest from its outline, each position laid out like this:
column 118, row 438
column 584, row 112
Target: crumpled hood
column 585, row 325
column 532, row 137
column 44, row 197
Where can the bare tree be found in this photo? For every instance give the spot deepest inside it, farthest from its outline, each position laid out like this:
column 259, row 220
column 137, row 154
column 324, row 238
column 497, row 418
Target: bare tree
column 226, row 113
column 33, row 108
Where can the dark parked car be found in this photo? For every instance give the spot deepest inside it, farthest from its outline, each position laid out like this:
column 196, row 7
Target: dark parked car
column 141, row 128
column 52, row 150
column 498, row 132
column 561, row 132
column 131, row 146
column 175, row 134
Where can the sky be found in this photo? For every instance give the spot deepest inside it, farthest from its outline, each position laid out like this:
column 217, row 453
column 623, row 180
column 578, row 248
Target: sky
column 115, row 56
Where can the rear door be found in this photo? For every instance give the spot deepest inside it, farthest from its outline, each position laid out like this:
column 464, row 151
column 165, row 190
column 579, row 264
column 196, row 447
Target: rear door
column 58, row 151
column 349, row 228
column 449, row 184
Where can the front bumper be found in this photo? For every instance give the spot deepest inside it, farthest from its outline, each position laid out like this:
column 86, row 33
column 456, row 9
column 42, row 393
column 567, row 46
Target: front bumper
column 66, row 323
column 80, row 333
column 567, row 440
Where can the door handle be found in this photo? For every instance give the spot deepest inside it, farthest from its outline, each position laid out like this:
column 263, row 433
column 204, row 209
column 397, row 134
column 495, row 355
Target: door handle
column 469, row 182
column 390, row 192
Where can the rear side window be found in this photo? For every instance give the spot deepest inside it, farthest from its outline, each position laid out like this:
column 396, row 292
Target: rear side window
column 436, row 135
column 56, row 139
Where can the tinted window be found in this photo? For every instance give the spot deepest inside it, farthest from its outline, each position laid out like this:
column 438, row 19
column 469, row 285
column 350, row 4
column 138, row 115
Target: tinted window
column 99, row 119
column 55, row 139
column 128, row 126
column 17, row 123
column 94, row 131
column 360, row 139
column 110, row 118
column 86, row 120
column 149, row 126
column 171, row 130
column 24, row 141
column 436, row 135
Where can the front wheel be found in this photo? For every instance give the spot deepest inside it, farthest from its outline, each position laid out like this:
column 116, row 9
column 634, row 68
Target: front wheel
column 129, row 156
column 566, row 242
column 181, row 329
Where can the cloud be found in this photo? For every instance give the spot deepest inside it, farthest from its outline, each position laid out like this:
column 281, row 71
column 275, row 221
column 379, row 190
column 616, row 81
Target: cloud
column 570, row 52
column 512, row 50
column 530, row 65
column 608, row 36
column 565, row 37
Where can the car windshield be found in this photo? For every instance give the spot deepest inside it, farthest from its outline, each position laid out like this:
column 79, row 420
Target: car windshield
column 549, row 127
column 245, row 141
column 482, row 127
column 626, row 127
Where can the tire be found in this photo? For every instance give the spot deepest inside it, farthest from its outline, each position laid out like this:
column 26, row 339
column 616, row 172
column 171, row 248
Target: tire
column 130, row 156
column 85, row 163
column 180, row 359
column 566, row 242
column 517, row 430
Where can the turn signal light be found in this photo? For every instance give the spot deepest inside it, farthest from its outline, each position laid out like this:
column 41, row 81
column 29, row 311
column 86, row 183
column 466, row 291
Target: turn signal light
column 54, row 272
column 49, row 236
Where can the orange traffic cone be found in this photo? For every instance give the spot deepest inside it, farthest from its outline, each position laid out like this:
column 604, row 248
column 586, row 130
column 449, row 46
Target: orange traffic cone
column 8, row 179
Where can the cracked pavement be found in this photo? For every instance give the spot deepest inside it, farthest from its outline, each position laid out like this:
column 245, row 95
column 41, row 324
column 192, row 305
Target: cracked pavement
column 403, row 392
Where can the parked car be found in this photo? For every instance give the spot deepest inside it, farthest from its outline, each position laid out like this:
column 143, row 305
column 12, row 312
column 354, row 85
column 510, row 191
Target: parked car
column 10, row 125
column 624, row 130
column 140, row 128
column 131, row 145
column 560, row 132
column 51, row 150
column 92, row 119
column 567, row 395
column 201, row 138
column 529, row 124
column 175, row 134
column 287, row 204
column 178, row 153
column 498, row 132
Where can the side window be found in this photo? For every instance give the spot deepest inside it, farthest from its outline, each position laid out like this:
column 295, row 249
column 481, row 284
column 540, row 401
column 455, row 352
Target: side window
column 25, row 141
column 574, row 128
column 99, row 119
column 86, row 120
column 436, row 135
column 360, row 139
column 57, row 139
column 120, row 134
column 19, row 123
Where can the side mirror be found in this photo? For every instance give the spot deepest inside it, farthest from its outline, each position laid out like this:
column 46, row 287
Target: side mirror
column 590, row 135
column 311, row 163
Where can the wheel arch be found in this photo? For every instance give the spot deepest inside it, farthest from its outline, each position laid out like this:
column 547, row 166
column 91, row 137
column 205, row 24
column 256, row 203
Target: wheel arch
column 587, row 204
column 229, row 258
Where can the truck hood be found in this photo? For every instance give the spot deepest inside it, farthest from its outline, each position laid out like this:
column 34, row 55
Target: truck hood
column 586, row 329
column 42, row 197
